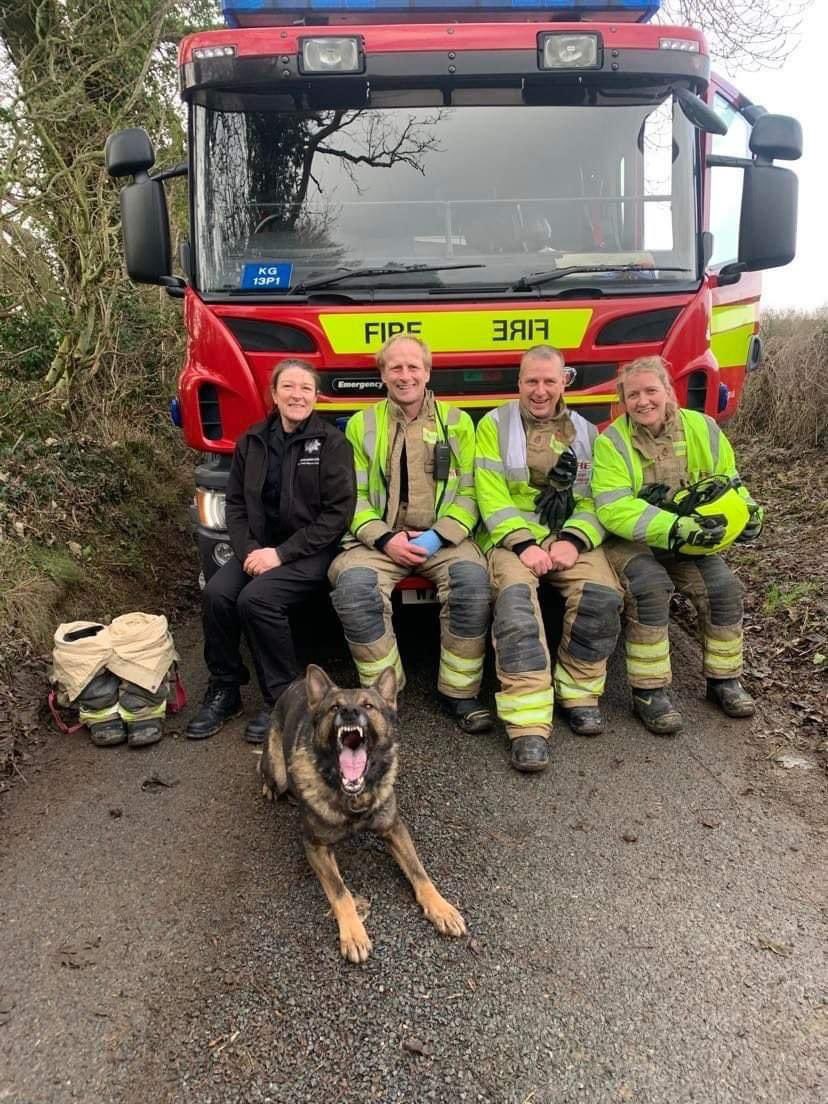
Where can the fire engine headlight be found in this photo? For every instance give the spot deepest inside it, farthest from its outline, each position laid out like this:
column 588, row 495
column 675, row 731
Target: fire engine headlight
column 222, row 553
column 210, row 505
column 202, row 52
column 331, row 55
column 570, row 51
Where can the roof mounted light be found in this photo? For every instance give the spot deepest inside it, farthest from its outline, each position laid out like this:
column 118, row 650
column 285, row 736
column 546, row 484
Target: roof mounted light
column 202, row 52
column 560, row 50
column 331, row 55
column 688, row 45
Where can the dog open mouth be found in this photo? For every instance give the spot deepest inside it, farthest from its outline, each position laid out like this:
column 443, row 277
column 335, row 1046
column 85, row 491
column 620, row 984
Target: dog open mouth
column 353, row 758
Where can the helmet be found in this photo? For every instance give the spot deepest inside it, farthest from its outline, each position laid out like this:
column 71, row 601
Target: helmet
column 714, row 496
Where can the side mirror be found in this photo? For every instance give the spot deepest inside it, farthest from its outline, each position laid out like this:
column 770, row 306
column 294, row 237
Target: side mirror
column 699, row 113
column 146, row 232
column 776, row 136
column 767, row 224
column 129, row 153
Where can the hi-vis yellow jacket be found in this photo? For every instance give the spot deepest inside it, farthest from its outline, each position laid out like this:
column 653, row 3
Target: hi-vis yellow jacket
column 618, row 476
column 505, row 496
column 455, row 508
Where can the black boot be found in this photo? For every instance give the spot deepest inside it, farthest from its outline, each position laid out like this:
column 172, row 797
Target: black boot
column 584, row 720
column 221, row 702
column 656, row 709
column 731, row 697
column 467, row 713
column 256, row 730
column 529, row 753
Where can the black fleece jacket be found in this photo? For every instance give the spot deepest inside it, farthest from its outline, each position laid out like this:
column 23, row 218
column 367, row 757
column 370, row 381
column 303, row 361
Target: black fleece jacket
column 318, row 493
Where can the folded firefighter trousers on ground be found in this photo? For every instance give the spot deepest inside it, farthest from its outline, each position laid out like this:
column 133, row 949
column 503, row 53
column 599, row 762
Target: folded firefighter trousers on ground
column 649, row 578
column 591, row 624
column 115, row 671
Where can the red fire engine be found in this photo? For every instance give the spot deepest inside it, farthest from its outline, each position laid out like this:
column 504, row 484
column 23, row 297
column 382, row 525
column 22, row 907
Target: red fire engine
column 485, row 174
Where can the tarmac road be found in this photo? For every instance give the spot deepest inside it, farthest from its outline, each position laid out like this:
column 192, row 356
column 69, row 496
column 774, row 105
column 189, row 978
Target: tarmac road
column 647, row 922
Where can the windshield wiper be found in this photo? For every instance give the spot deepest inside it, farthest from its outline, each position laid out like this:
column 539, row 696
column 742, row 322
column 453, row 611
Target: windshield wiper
column 534, row 279
column 387, row 270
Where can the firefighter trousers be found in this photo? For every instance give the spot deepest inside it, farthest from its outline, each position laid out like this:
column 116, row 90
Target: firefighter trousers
column 591, row 625
column 234, row 602
column 650, row 577
column 363, row 580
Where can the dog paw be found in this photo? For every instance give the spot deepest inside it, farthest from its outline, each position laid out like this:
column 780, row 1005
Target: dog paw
column 445, row 917
column 355, row 944
column 267, row 791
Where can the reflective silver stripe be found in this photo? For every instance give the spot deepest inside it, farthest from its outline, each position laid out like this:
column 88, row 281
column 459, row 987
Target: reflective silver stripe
column 621, row 445
column 586, row 519
column 369, row 435
column 508, row 513
column 454, row 445
column 606, row 497
column 467, row 480
column 463, row 503
column 643, row 522
column 585, row 434
column 518, row 475
column 488, row 465
column 715, row 436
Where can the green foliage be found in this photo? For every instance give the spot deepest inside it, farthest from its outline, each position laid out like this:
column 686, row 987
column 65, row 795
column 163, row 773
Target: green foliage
column 788, row 595
column 28, row 339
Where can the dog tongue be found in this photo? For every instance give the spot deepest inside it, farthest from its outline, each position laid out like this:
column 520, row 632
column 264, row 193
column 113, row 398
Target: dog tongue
column 352, row 763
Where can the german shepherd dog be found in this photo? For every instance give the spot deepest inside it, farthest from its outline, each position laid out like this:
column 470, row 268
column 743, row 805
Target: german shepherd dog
column 336, row 752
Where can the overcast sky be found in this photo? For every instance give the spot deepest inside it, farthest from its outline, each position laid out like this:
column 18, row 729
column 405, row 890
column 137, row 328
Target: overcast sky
column 796, row 89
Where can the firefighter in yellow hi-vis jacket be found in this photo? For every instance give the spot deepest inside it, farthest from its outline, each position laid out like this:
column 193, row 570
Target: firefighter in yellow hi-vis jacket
column 415, row 512
column 532, row 469
column 667, row 490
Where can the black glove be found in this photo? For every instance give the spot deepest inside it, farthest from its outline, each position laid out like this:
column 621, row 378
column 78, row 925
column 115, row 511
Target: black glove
column 698, row 532
column 654, row 493
column 754, row 526
column 565, row 471
column 554, row 507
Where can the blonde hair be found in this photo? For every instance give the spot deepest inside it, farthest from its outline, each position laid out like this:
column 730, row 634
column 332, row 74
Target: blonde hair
column 389, row 344
column 659, row 368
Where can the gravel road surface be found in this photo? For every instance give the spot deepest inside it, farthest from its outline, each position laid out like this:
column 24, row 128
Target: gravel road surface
column 647, row 921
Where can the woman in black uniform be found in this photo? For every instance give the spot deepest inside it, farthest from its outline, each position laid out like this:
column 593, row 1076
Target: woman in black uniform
column 290, row 496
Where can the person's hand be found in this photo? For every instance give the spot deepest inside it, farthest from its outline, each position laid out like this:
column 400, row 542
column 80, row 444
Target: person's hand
column 429, row 540
column 698, row 532
column 562, row 554
column 654, row 493
column 260, row 560
column 403, row 552
column 536, row 560
column 754, row 526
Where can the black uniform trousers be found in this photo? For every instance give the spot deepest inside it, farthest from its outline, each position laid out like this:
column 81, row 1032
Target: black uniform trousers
column 258, row 604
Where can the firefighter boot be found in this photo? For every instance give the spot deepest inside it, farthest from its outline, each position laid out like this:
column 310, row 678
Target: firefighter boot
column 529, row 753
column 468, row 714
column 656, row 711
column 221, row 702
column 584, row 720
column 142, row 711
column 98, row 707
column 731, row 697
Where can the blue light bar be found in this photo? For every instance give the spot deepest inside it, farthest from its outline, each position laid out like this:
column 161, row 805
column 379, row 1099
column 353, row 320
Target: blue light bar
column 240, row 13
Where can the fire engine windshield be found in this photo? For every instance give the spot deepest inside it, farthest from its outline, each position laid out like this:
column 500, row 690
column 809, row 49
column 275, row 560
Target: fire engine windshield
column 466, row 199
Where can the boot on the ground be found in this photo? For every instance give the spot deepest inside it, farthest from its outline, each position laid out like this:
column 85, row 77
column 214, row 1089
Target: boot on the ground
column 731, row 697
column 221, row 703
column 656, row 710
column 584, row 720
column 529, row 753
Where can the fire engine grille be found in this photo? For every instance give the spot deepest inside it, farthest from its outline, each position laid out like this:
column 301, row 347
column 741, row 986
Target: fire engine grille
column 209, row 411
column 459, row 381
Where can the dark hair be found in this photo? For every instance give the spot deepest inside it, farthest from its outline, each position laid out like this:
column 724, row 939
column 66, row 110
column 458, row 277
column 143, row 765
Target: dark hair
column 293, row 362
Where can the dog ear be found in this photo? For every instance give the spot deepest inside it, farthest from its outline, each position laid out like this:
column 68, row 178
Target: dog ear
column 386, row 686
column 317, row 685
